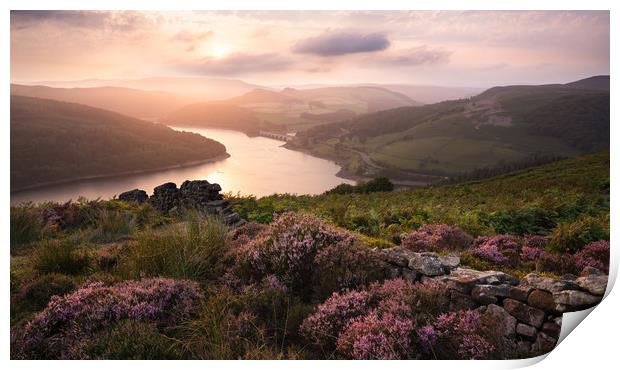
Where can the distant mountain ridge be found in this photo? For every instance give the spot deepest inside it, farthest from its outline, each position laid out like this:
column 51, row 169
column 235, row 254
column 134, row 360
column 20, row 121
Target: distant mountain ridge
column 131, row 102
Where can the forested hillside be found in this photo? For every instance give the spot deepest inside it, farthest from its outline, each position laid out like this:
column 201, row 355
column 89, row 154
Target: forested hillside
column 53, row 141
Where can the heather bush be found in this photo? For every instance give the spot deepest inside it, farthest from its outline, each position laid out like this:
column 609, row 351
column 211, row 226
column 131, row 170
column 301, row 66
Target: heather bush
column 595, row 255
column 127, row 340
column 498, row 249
column 246, row 233
column 333, row 316
column 60, row 256
column 456, row 335
column 58, row 330
column 310, row 257
column 377, row 322
column 377, row 336
column 571, row 237
column 196, row 249
column 26, row 225
column 534, row 247
column 558, row 264
column 439, row 237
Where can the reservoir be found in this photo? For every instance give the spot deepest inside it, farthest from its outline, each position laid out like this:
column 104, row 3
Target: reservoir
column 257, row 166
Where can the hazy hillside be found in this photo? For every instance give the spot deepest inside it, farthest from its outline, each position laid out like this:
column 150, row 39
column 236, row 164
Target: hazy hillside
column 200, row 88
column 290, row 109
column 132, row 102
column 503, row 124
column 214, row 115
column 55, row 141
column 427, row 94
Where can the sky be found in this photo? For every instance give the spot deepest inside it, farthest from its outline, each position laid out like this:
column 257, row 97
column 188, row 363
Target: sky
column 448, row 48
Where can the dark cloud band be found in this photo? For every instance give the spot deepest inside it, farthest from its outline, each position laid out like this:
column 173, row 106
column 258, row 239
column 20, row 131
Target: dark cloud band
column 333, row 43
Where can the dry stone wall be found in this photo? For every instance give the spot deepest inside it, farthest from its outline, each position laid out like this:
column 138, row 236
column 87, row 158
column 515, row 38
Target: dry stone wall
column 529, row 309
column 197, row 194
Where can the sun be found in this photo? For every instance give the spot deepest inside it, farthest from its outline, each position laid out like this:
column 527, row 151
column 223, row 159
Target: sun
column 219, row 50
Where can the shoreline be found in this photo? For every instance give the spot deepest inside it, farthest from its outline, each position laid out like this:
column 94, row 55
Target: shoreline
column 122, row 174
column 343, row 173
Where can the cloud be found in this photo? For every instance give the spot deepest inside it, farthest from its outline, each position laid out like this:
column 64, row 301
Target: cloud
column 191, row 37
column 25, row 18
column 238, row 63
column 416, row 56
column 120, row 21
column 333, row 43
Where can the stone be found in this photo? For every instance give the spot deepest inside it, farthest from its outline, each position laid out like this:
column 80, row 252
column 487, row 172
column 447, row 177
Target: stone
column 524, row 313
column 575, row 298
column 426, row 264
column 552, row 329
column 520, row 293
column 595, row 284
column 544, row 300
column 507, row 322
column 166, row 197
column 194, row 194
column 397, row 256
column 135, row 195
column 545, row 283
column 543, row 343
column 487, row 294
column 589, row 270
column 449, row 262
column 526, row 331
column 464, row 280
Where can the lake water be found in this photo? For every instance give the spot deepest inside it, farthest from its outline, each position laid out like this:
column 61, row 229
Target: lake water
column 257, row 165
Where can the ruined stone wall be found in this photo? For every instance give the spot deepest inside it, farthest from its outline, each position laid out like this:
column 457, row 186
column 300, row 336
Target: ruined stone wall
column 530, row 310
column 197, row 194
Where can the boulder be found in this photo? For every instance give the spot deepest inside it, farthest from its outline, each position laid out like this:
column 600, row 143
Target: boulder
column 544, row 300
column 426, row 263
column 507, row 322
column 524, row 313
column 545, row 283
column 526, row 331
column 595, row 284
column 575, row 298
column 488, row 294
column 166, row 197
column 449, row 263
column 135, row 195
column 464, row 280
column 397, row 256
column 520, row 292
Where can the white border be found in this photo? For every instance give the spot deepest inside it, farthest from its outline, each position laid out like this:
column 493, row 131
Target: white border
column 591, row 345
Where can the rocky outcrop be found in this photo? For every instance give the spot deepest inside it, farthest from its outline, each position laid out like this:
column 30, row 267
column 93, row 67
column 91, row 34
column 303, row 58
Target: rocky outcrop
column 529, row 310
column 135, row 195
column 195, row 194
